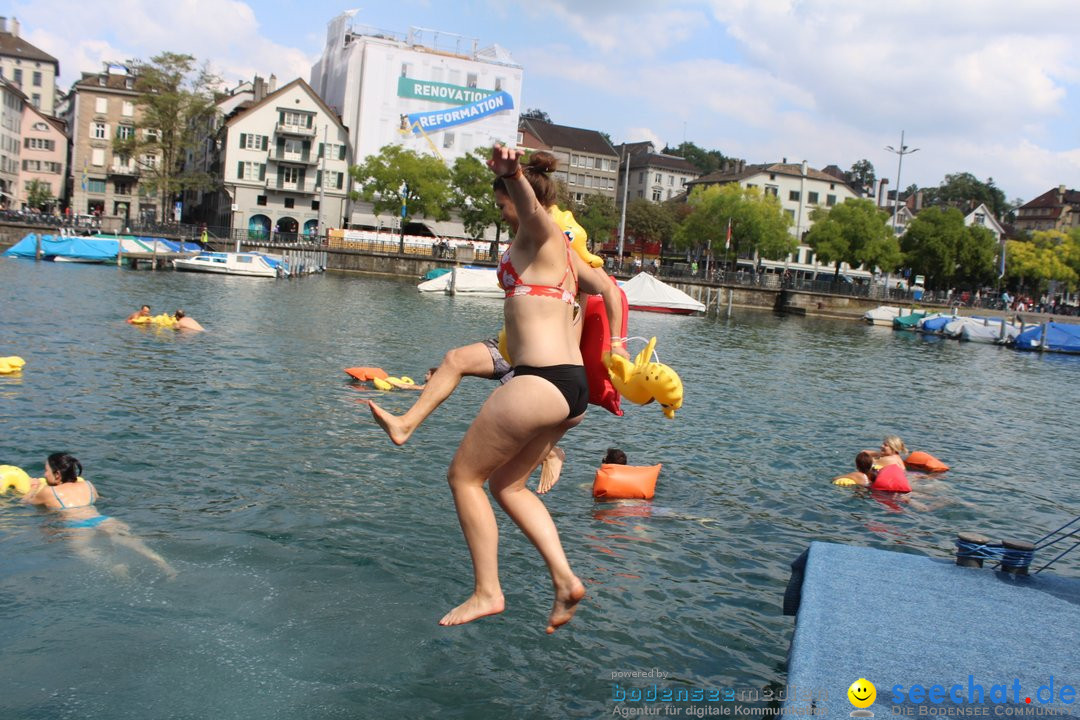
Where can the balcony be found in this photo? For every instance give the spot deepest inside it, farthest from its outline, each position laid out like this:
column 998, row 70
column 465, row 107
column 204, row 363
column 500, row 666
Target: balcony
column 307, row 187
column 308, row 158
column 124, row 170
column 298, row 130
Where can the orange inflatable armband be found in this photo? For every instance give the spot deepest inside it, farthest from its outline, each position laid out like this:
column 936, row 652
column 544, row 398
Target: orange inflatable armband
column 621, row 482
column 925, row 462
column 366, row 374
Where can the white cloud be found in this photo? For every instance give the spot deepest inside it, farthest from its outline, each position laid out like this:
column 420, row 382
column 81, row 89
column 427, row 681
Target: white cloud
column 226, row 32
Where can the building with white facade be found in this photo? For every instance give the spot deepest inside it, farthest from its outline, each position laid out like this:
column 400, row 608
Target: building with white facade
column 44, row 155
column 29, row 68
column 283, row 165
column 653, row 176
column 431, row 92
column 799, row 188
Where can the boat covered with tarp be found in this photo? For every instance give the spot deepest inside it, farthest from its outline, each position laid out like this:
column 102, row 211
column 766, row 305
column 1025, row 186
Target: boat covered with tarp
column 645, row 292
column 908, row 322
column 93, row 248
column 1055, row 337
column 467, row 280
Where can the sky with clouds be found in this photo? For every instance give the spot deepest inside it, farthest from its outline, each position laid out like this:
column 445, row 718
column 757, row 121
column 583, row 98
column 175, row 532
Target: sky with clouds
column 990, row 87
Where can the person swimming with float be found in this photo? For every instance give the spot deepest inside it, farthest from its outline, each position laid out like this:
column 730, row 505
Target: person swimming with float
column 74, row 498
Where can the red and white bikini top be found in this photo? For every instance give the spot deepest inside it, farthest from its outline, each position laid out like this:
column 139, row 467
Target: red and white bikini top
column 510, row 281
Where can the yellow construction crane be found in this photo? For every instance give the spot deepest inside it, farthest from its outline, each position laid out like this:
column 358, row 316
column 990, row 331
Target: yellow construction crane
column 406, row 128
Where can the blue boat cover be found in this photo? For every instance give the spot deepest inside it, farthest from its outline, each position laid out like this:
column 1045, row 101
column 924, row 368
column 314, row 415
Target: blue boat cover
column 1060, row 337
column 937, row 325
column 88, row 248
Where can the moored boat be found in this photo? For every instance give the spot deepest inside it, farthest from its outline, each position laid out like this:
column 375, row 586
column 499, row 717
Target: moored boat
column 251, row 264
column 645, row 292
column 1054, row 337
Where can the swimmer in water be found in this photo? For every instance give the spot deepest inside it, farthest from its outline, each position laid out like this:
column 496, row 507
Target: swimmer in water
column 63, row 491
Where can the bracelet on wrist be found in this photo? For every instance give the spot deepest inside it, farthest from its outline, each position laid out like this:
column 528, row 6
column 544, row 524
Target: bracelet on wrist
column 510, row 176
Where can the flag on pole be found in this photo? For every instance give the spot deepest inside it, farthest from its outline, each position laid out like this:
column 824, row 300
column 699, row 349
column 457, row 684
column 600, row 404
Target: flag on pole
column 727, row 240
column 84, row 177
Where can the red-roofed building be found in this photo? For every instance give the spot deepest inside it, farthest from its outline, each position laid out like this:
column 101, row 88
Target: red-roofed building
column 1057, row 209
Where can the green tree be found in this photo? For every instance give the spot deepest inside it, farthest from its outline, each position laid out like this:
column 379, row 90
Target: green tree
column 598, row 215
column 758, row 223
column 964, row 191
column 470, row 182
column 932, row 244
column 855, row 232
column 1049, row 255
column 704, row 160
column 976, row 258
column 397, row 178
column 649, row 221
column 39, row 195
column 536, row 114
column 176, row 100
column 862, row 172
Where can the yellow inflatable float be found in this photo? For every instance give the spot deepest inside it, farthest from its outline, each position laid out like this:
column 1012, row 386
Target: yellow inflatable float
column 11, row 364
column 164, row 320
column 15, row 478
column 643, row 381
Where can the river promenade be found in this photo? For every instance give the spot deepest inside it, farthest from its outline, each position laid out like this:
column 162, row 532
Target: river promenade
column 383, row 258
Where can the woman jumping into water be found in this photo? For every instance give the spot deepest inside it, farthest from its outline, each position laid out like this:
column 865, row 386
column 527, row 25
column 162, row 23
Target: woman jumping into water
column 522, row 420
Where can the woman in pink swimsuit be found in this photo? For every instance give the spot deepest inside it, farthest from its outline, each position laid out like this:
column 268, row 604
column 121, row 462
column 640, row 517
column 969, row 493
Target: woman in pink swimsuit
column 522, row 420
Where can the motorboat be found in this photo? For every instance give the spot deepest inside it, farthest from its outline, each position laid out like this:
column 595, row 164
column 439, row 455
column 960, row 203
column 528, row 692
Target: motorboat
column 908, row 322
column 252, row 264
column 882, row 315
column 991, row 330
column 645, row 292
column 467, row 280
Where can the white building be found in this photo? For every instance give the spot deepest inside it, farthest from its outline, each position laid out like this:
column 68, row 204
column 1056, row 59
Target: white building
column 799, row 188
column 284, row 163
column 431, row 92
column 29, row 68
column 982, row 216
column 654, row 176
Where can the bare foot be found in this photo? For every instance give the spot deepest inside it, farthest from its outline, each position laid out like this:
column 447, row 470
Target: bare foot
column 391, row 424
column 550, row 470
column 565, row 605
column 475, row 607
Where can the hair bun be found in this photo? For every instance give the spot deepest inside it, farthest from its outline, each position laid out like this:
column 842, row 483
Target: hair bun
column 542, row 161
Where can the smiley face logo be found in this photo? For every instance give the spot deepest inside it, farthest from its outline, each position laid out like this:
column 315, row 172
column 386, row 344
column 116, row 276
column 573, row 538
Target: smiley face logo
column 862, row 693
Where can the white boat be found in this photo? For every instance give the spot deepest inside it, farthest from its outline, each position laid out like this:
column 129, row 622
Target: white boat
column 993, row 331
column 471, row 281
column 882, row 315
column 72, row 259
column 252, row 264
column 955, row 327
column 645, row 292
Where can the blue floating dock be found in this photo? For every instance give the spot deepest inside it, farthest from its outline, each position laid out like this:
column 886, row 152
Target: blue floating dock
column 917, row 622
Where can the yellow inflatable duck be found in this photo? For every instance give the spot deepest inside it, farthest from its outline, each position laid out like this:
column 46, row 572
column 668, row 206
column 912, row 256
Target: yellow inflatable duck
column 643, row 381
column 392, row 382
column 576, row 235
column 11, row 364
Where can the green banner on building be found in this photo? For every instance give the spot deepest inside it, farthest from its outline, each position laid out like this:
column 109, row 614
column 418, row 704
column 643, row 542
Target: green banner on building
column 440, row 92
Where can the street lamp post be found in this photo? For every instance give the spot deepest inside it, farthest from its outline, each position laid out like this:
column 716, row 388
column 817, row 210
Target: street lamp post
column 622, row 216
column 899, row 166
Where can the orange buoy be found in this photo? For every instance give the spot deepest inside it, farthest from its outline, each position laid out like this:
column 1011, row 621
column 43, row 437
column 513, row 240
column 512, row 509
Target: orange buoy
column 621, row 482
column 366, row 374
column 925, row 462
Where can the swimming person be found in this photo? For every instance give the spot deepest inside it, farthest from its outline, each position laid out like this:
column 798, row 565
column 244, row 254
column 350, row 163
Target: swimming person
column 63, row 491
column 183, row 322
column 142, row 312
column 521, row 421
column 864, row 470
